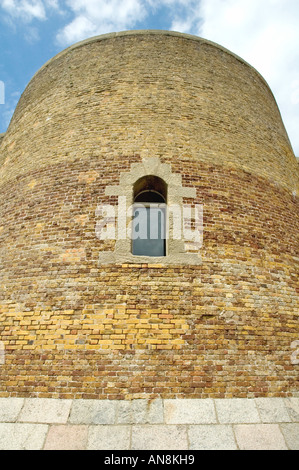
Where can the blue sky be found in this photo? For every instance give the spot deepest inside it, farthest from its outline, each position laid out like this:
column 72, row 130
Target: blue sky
column 263, row 32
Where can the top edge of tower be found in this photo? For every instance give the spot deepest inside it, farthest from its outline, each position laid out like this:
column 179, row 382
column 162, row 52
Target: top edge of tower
column 147, row 32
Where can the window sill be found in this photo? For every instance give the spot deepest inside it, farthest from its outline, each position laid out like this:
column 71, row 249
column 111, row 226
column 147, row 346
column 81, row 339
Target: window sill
column 170, row 259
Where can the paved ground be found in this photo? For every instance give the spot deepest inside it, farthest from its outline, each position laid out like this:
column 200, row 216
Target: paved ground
column 43, row 423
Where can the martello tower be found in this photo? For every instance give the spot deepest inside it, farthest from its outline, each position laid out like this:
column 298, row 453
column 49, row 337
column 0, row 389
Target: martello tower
column 148, row 117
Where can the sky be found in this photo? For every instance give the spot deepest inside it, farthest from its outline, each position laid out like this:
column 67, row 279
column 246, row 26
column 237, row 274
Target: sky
column 265, row 33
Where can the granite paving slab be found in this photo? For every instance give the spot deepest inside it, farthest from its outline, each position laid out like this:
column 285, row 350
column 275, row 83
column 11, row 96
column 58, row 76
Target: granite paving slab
column 141, row 424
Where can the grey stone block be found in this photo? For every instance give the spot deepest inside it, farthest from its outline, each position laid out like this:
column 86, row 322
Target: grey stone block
column 159, row 437
column 236, row 410
column 211, row 437
column 292, row 405
column 10, row 409
column 140, row 411
column 22, row 436
column 272, row 410
column 109, row 437
column 93, row 412
column 188, row 411
column 291, row 435
column 45, row 410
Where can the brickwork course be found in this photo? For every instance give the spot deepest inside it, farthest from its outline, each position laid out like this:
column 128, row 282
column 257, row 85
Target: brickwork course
column 72, row 327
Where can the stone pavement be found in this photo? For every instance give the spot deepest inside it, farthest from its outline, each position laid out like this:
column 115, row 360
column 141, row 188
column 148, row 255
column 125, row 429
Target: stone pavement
column 160, row 424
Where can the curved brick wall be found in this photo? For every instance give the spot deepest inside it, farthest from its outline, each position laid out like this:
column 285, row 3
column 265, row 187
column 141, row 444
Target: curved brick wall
column 73, row 327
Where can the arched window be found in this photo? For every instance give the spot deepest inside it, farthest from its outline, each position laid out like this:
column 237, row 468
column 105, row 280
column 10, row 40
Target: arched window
column 149, row 217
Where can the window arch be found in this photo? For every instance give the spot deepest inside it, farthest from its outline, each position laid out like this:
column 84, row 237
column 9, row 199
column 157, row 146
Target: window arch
column 150, row 187
column 131, row 184
column 149, row 216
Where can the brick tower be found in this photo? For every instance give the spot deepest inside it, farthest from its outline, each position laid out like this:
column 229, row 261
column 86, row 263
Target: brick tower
column 161, row 118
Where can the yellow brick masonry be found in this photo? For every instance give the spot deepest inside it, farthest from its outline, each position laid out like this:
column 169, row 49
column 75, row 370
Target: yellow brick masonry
column 117, row 328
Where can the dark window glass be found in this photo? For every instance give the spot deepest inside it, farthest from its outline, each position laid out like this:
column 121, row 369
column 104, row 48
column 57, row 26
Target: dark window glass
column 149, row 196
column 149, row 230
column 149, row 217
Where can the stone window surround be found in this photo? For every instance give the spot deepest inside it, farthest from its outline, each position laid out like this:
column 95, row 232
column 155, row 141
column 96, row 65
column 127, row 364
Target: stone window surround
column 176, row 253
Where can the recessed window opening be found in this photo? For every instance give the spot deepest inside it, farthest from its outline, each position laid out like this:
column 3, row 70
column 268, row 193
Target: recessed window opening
column 149, row 196
column 149, row 217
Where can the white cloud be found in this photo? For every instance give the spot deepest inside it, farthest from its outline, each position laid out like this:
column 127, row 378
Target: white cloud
column 27, row 10
column 295, row 92
column 94, row 17
column 185, row 15
column 79, row 28
column 265, row 33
